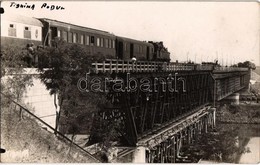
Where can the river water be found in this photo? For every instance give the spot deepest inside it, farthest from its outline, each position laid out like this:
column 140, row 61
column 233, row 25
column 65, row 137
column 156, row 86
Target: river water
column 227, row 143
column 253, row 156
column 248, row 139
column 252, row 132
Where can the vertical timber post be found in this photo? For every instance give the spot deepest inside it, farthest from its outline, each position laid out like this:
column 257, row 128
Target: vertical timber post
column 213, row 111
column 205, row 124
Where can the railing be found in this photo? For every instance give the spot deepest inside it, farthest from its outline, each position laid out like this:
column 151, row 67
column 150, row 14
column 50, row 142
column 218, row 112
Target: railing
column 138, row 66
column 176, row 67
column 48, row 126
column 126, row 66
column 204, row 67
column 152, row 66
column 230, row 69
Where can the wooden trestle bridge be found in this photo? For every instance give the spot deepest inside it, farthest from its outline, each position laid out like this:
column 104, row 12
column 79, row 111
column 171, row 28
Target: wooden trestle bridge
column 157, row 122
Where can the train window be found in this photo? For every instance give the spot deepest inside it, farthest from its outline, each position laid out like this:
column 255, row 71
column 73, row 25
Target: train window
column 113, row 44
column 141, row 49
column 152, row 49
column 70, row 37
column 58, row 33
column 27, row 32
column 92, row 40
column 102, row 42
column 87, row 40
column 106, row 43
column 81, row 39
column 12, row 30
column 98, row 41
column 75, row 36
column 137, row 49
column 65, row 35
column 125, row 46
column 109, row 44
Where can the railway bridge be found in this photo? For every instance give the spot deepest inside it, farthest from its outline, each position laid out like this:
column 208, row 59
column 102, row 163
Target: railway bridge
column 161, row 106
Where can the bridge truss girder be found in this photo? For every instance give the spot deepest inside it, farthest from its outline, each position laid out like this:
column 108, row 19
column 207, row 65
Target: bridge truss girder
column 230, row 82
column 142, row 113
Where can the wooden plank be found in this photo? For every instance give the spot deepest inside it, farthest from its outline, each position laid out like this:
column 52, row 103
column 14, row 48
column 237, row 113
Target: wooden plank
column 116, row 66
column 110, row 66
column 96, row 67
column 123, row 66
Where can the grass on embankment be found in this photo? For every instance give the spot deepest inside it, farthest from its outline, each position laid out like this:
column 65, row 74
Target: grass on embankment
column 26, row 141
column 243, row 113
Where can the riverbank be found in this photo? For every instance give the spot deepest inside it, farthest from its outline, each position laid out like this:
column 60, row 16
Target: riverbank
column 244, row 113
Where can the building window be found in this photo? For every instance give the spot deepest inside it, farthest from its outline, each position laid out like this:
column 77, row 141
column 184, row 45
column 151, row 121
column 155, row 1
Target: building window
column 70, row 37
column 81, row 39
column 27, row 32
column 12, row 30
column 87, row 40
column 58, row 33
column 27, row 28
column 36, row 33
column 65, row 36
column 102, row 42
column 98, row 42
column 75, row 36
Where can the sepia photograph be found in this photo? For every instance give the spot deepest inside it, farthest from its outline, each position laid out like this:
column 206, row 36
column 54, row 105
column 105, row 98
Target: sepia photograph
column 130, row 81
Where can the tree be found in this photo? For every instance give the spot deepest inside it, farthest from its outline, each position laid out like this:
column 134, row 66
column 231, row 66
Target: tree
column 14, row 81
column 247, row 64
column 64, row 64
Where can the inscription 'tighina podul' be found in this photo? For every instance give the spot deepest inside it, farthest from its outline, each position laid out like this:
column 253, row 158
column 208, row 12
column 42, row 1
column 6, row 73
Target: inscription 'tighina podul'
column 33, row 6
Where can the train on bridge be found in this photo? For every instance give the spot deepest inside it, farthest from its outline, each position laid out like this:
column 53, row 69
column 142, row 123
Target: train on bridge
column 33, row 32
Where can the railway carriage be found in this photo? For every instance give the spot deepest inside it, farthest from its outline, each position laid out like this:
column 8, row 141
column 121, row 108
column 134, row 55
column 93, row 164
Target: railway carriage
column 95, row 41
column 127, row 48
column 29, row 33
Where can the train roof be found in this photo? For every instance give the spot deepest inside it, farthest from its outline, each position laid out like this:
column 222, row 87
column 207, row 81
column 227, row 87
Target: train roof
column 76, row 27
column 21, row 19
column 133, row 40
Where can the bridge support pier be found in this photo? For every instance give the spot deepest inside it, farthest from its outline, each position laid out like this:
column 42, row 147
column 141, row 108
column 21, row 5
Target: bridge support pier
column 234, row 98
column 139, row 155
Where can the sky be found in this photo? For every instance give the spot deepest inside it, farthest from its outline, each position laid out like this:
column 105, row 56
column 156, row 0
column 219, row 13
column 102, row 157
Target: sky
column 196, row 31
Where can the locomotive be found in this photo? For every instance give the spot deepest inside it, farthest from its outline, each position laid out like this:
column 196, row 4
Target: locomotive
column 33, row 32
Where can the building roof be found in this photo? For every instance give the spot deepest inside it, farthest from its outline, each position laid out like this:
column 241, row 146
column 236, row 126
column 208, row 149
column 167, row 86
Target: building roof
column 21, row 19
